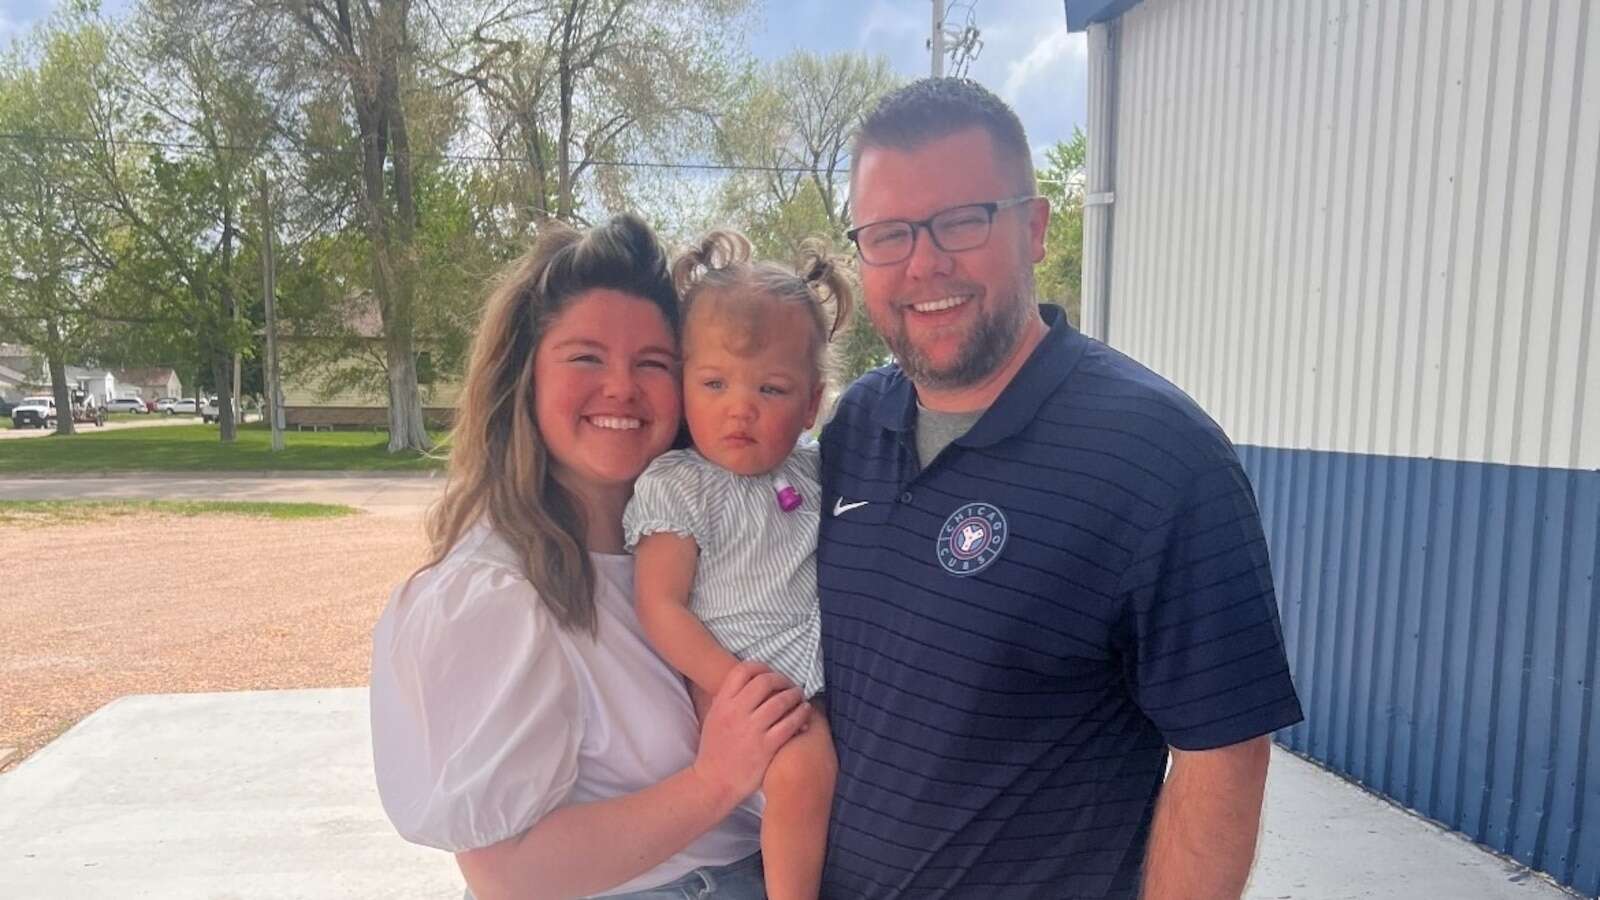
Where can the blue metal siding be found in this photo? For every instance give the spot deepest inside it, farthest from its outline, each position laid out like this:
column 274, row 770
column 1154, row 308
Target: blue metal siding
column 1368, row 234
column 1443, row 624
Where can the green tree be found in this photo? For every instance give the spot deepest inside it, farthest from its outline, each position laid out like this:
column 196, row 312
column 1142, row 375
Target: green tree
column 1059, row 276
column 792, row 124
column 567, row 86
column 365, row 118
column 187, row 208
column 321, row 288
column 53, row 237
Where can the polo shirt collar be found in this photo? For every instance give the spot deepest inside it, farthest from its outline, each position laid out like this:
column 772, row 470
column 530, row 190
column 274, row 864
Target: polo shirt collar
column 1045, row 369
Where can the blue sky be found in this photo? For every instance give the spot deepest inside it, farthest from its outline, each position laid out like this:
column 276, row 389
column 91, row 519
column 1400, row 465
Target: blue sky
column 1027, row 58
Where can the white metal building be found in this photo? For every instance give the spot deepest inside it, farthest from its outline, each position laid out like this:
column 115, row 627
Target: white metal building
column 1365, row 235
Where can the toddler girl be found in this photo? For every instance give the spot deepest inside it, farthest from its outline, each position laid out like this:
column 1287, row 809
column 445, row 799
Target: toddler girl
column 725, row 534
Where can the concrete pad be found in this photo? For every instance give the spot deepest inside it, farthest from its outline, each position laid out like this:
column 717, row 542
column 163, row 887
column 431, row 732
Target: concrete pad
column 269, row 794
column 262, row 794
column 396, row 495
column 1327, row 839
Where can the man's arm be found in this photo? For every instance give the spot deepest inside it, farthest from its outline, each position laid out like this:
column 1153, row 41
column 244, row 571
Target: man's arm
column 1204, row 837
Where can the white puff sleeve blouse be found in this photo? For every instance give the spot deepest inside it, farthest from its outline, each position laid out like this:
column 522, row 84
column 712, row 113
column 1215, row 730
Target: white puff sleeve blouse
column 475, row 708
column 486, row 715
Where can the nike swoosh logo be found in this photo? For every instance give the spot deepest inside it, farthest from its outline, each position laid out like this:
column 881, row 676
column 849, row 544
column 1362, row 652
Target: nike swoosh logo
column 840, row 507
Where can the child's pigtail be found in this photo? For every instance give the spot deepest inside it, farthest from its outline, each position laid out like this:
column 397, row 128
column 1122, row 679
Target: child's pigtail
column 828, row 281
column 716, row 251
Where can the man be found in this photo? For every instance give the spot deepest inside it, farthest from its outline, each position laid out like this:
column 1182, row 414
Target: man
column 1041, row 565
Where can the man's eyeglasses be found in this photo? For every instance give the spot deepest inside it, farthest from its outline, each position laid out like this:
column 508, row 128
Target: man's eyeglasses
column 958, row 228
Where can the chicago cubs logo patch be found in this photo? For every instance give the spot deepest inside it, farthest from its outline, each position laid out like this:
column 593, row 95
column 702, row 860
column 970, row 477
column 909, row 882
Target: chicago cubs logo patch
column 971, row 539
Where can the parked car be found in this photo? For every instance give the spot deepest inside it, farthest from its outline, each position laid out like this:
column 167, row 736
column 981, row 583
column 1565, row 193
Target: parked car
column 162, row 404
column 209, row 413
column 34, row 412
column 184, row 407
column 126, row 404
column 6, row 406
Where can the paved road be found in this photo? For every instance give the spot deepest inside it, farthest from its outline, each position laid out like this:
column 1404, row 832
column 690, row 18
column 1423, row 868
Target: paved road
column 151, row 420
column 147, row 420
column 400, row 495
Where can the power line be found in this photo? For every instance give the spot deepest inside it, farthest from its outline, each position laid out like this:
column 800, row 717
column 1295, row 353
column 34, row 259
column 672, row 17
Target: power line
column 306, row 152
column 35, row 138
column 961, row 44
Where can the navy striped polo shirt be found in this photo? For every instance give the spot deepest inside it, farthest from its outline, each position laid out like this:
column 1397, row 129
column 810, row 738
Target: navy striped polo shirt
column 1015, row 633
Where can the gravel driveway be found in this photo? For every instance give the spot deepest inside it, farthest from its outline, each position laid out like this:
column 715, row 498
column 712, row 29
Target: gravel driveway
column 277, row 604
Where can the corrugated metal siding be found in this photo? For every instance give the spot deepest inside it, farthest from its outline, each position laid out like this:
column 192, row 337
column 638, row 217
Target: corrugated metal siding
column 1365, row 236
column 1366, row 226
column 1443, row 625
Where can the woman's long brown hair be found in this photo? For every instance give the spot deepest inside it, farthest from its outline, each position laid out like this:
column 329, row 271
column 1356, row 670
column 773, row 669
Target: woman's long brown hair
column 500, row 469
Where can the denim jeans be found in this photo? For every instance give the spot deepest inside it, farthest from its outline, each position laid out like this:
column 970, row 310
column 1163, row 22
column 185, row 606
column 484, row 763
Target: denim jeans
column 740, row 880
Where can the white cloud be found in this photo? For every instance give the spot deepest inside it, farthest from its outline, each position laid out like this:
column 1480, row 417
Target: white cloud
column 1048, row 60
column 891, row 25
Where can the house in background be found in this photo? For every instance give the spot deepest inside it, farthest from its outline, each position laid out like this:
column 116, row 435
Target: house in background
column 1365, row 236
column 22, row 371
column 308, row 400
column 97, row 383
column 14, row 384
column 28, row 371
column 150, row 383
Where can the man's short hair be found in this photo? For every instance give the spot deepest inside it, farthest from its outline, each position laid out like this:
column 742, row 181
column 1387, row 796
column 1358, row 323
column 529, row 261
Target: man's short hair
column 931, row 108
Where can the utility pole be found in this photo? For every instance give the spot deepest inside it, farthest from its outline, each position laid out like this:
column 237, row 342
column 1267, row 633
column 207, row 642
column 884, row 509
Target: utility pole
column 269, row 289
column 238, row 365
column 962, row 44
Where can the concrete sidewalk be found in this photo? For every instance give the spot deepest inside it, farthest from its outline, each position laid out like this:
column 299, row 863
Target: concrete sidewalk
column 270, row 795
column 383, row 494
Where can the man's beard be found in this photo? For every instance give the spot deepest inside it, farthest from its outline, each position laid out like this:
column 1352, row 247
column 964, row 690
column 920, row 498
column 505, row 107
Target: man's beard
column 983, row 350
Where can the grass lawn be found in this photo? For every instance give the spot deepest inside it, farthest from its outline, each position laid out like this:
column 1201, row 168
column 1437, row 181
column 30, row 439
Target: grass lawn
column 72, row 512
column 195, row 448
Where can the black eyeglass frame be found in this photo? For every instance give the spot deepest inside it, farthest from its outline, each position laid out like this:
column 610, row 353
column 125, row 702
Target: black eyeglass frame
column 991, row 208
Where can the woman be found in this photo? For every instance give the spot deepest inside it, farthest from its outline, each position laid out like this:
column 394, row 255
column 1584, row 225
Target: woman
column 519, row 718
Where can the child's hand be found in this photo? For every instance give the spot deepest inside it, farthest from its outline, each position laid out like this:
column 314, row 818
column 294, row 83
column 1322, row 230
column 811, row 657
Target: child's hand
column 755, row 712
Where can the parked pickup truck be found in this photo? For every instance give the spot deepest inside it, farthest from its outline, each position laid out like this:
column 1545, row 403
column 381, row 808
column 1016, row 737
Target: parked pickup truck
column 34, row 412
column 209, row 413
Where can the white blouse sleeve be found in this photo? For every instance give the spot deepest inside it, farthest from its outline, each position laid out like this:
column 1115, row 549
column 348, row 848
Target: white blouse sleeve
column 476, row 712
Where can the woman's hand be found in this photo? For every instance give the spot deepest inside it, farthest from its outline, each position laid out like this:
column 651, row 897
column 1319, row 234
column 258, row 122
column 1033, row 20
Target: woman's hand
column 754, row 712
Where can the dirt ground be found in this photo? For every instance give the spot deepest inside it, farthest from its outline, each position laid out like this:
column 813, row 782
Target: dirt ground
column 275, row 604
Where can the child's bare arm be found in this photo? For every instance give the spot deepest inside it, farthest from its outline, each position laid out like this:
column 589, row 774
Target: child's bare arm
column 664, row 566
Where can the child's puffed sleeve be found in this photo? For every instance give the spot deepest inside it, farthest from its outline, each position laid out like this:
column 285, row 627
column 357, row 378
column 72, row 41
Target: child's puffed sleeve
column 669, row 496
column 476, row 710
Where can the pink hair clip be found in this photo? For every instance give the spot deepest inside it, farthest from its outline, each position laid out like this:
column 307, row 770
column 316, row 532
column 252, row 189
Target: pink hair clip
column 789, row 498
